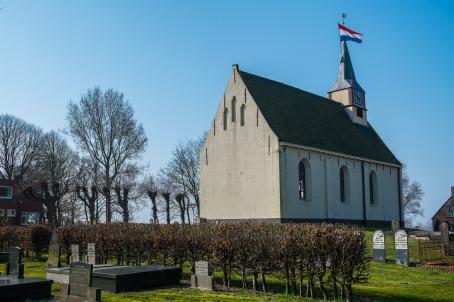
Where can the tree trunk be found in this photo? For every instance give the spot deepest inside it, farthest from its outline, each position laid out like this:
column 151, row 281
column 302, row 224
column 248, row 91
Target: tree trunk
column 255, row 275
column 287, row 280
column 264, row 287
column 108, row 205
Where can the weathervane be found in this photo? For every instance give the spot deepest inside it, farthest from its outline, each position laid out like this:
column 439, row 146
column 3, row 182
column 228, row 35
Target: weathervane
column 344, row 16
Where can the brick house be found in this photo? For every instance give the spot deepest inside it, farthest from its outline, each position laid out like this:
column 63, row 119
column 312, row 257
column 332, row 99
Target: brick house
column 15, row 208
column 445, row 214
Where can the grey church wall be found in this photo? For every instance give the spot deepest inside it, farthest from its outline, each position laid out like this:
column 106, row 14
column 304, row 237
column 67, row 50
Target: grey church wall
column 241, row 179
column 324, row 202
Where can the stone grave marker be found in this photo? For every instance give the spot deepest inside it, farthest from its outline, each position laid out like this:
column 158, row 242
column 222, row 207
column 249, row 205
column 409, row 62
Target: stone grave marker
column 395, row 225
column 91, row 255
column 75, row 253
column 401, row 247
column 80, row 283
column 378, row 246
column 202, row 278
column 54, row 251
column 14, row 266
column 53, row 259
column 444, row 232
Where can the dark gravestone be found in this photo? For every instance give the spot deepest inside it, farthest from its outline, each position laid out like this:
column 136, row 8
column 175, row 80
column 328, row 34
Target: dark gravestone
column 14, row 266
column 128, row 278
column 378, row 245
column 202, row 278
column 75, row 253
column 80, row 283
column 91, row 255
column 401, row 247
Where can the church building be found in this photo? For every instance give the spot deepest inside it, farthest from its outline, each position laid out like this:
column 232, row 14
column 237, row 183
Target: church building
column 276, row 153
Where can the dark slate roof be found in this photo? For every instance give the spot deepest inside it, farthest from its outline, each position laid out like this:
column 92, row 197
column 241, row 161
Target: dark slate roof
column 302, row 118
column 345, row 75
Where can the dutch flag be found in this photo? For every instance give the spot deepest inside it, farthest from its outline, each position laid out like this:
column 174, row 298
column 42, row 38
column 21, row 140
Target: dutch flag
column 347, row 34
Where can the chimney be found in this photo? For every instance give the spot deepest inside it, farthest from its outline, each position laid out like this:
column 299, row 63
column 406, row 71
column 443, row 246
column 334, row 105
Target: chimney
column 452, row 191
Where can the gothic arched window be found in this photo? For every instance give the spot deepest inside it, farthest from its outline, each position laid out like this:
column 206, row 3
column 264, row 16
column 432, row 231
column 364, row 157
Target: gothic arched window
column 233, row 109
column 373, row 188
column 225, row 118
column 243, row 115
column 304, row 179
column 344, row 182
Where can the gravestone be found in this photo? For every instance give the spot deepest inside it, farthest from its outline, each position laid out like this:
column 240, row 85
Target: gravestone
column 80, row 283
column 75, row 253
column 444, row 232
column 401, row 247
column 54, row 251
column 378, row 246
column 395, row 226
column 14, row 266
column 91, row 255
column 202, row 278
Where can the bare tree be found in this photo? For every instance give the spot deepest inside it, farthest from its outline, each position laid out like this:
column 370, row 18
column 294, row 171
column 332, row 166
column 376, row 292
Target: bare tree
column 54, row 172
column 180, row 198
column 412, row 196
column 19, row 146
column 183, row 171
column 150, row 188
column 103, row 126
column 87, row 190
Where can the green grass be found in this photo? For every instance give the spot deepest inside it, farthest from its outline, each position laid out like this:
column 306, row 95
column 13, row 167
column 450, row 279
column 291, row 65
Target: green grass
column 387, row 283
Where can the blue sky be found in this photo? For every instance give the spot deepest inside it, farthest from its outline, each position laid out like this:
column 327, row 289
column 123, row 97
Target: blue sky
column 172, row 60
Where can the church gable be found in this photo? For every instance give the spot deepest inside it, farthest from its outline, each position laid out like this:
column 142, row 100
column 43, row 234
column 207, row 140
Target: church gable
column 305, row 119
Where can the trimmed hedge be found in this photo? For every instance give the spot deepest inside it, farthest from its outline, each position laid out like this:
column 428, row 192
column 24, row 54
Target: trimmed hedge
column 323, row 256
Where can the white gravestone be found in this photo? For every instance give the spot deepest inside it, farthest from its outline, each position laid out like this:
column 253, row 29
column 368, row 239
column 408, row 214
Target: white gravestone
column 378, row 246
column 91, row 255
column 401, row 247
column 202, row 278
column 75, row 253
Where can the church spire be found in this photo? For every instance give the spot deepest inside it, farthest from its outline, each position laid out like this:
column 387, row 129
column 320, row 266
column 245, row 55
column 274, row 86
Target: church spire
column 346, row 75
column 347, row 90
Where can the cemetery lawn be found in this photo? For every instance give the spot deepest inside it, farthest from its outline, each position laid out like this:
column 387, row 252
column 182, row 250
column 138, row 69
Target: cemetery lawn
column 387, row 283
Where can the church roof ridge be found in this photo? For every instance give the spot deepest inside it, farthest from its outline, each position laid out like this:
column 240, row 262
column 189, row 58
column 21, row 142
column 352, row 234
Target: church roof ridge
column 307, row 119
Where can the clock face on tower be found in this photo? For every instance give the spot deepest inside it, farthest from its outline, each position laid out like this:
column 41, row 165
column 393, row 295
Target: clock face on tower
column 358, row 98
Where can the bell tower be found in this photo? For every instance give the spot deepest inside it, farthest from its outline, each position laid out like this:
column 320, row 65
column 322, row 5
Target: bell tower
column 347, row 90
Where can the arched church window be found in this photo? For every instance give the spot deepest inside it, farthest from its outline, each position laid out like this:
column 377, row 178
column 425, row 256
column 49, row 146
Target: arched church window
column 225, row 118
column 373, row 188
column 233, row 109
column 344, row 184
column 243, row 115
column 304, row 179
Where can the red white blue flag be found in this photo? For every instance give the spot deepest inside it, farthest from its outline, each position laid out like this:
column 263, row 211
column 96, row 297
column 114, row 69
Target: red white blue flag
column 347, row 34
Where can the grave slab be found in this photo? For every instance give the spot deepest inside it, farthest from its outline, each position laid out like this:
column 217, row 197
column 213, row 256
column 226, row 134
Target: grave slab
column 12, row 289
column 130, row 278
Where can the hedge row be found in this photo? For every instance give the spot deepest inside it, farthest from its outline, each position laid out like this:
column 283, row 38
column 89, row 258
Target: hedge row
column 321, row 256
column 32, row 239
column 326, row 255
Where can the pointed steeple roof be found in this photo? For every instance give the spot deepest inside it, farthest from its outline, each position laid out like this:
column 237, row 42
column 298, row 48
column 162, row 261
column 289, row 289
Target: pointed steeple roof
column 346, row 74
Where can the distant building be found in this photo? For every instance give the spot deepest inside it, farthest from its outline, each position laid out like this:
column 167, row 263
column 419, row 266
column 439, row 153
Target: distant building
column 277, row 153
column 15, row 208
column 445, row 214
